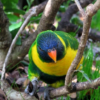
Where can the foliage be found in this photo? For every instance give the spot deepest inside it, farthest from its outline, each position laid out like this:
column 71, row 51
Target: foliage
column 64, row 6
column 15, row 16
column 29, row 2
column 95, row 21
column 89, row 74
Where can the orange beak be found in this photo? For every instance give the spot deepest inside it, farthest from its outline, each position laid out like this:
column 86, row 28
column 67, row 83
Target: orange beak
column 53, row 54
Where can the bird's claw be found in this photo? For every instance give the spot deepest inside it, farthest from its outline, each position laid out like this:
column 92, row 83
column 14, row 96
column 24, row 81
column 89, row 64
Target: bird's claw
column 46, row 94
column 31, row 89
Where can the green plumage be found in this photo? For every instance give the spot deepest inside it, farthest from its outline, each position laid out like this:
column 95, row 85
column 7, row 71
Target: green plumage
column 39, row 65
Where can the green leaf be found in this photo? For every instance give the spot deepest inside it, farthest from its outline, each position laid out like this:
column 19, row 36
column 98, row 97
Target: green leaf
column 9, row 4
column 28, row 3
column 36, row 18
column 85, row 75
column 7, row 1
column 62, row 8
column 25, row 7
column 15, row 26
column 14, row 32
column 12, row 18
column 15, row 10
column 18, row 42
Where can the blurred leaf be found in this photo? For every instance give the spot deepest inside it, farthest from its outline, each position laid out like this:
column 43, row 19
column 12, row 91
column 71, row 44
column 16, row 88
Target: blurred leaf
column 11, row 3
column 19, row 42
column 15, row 10
column 36, row 18
column 15, row 26
column 85, row 75
column 87, row 65
column 62, row 8
column 14, row 32
column 75, row 20
column 96, row 21
column 6, row 1
column 12, row 18
column 25, row 7
column 28, row 2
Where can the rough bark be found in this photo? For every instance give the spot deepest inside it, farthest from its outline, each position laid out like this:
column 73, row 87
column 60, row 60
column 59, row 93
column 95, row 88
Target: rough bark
column 15, row 95
column 45, row 24
column 5, row 36
column 90, row 11
column 72, row 9
column 66, row 26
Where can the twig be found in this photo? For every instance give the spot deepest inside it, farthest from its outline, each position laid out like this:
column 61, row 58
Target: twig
column 49, row 12
column 33, row 13
column 90, row 11
column 48, row 18
column 71, row 10
column 15, row 95
column 18, row 53
column 67, row 26
column 80, row 8
column 45, row 24
column 40, row 9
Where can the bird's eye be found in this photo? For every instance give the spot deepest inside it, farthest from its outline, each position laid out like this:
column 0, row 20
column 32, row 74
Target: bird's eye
column 40, row 49
column 53, row 49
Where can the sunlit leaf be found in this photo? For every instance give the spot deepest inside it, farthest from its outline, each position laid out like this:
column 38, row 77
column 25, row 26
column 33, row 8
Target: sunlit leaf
column 12, row 18
column 15, row 26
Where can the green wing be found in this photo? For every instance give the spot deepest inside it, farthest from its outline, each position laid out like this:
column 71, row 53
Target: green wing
column 32, row 69
column 69, row 40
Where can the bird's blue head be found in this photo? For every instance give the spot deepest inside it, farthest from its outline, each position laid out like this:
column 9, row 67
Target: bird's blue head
column 49, row 47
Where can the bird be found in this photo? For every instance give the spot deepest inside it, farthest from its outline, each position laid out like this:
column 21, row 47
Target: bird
column 50, row 57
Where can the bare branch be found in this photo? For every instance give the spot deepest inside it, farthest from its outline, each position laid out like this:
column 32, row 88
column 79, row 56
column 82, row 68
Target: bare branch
column 15, row 95
column 14, row 41
column 5, row 36
column 65, row 20
column 90, row 11
column 32, row 13
column 45, row 24
column 39, row 9
column 80, row 8
column 49, row 15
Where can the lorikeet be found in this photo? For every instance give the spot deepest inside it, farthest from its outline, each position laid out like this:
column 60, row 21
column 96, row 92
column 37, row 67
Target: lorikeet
column 50, row 55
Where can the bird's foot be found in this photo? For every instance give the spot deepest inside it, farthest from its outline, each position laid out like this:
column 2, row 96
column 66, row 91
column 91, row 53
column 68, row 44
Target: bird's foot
column 31, row 88
column 46, row 94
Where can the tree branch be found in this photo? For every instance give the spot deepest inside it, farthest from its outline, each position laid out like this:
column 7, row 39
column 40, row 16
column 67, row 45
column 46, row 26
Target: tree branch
column 44, row 24
column 49, row 15
column 64, row 24
column 15, row 95
column 14, row 41
column 5, row 36
column 39, row 9
column 90, row 11
column 80, row 8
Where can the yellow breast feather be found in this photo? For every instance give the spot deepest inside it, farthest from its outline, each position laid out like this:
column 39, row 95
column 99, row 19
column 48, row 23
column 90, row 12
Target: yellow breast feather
column 59, row 68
